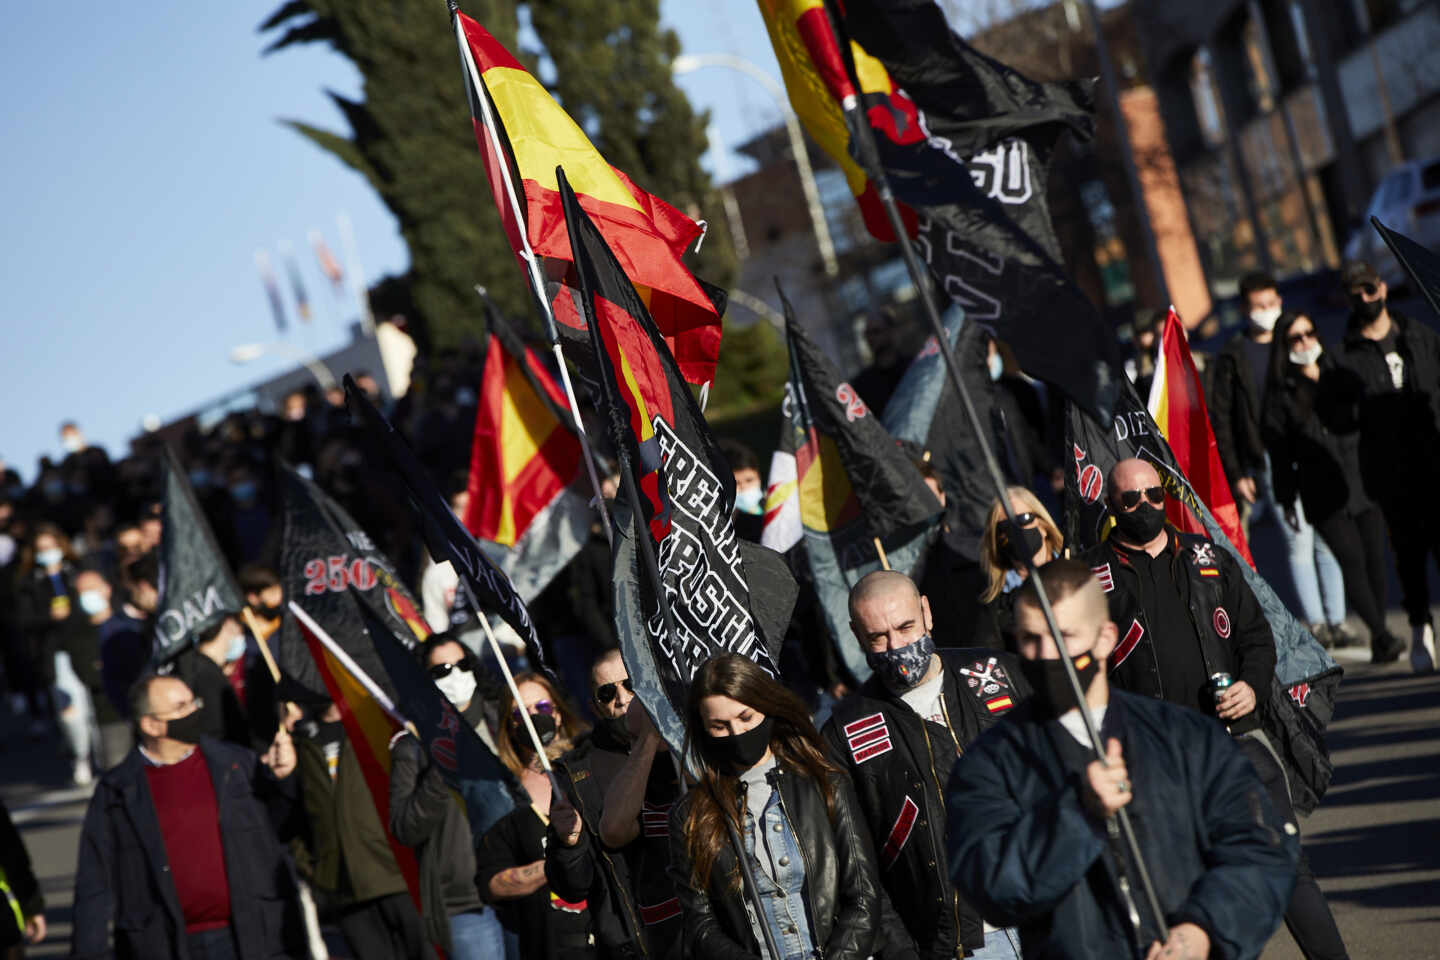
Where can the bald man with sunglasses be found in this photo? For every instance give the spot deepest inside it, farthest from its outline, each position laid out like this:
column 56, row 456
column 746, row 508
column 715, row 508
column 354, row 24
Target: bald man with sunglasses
column 1185, row 615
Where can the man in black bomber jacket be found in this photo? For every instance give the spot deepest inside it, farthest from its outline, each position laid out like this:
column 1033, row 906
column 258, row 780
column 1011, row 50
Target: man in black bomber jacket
column 899, row 736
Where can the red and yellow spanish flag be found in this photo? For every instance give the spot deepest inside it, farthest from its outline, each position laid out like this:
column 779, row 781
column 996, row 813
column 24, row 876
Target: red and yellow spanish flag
column 819, row 84
column 534, row 135
column 369, row 727
column 524, row 455
column 1177, row 403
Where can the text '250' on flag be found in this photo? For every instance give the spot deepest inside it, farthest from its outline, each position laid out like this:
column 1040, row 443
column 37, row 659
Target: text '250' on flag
column 526, row 474
column 196, row 589
column 466, row 764
column 324, row 553
column 531, row 133
column 724, row 595
column 1177, row 405
column 854, row 486
column 1302, row 696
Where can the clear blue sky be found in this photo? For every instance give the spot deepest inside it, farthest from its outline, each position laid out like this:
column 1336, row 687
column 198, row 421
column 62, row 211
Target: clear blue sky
column 143, row 165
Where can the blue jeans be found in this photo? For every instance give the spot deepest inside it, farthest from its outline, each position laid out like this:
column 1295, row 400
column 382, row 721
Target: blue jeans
column 476, row 936
column 1313, row 568
column 999, row 945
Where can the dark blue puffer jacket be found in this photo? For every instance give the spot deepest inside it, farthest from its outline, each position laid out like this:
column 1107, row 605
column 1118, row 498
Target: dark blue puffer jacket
column 1024, row 851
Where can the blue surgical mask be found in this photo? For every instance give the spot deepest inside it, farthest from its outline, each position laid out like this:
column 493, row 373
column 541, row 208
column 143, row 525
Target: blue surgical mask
column 243, row 492
column 48, row 558
column 903, row 668
column 996, row 365
column 93, row 602
column 236, row 650
column 750, row 500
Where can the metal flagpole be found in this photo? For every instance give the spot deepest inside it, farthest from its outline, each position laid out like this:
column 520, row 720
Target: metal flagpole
column 532, row 262
column 870, row 162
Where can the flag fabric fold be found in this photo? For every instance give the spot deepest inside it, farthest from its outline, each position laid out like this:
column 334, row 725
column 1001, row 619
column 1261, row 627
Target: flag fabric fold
column 482, row 782
column 197, row 590
column 853, row 485
column 1307, row 679
column 1177, row 405
column 965, row 143
column 527, row 506
column 370, row 720
column 724, row 597
column 445, row 535
column 531, row 135
column 272, row 290
column 323, row 554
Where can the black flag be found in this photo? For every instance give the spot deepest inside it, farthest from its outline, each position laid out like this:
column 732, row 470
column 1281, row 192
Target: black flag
column 196, row 588
column 445, row 535
column 323, row 554
column 725, row 595
column 1302, row 699
column 1422, row 265
column 977, row 182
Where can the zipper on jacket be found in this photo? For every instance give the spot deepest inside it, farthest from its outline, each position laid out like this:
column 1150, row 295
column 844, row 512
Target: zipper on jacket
column 940, row 792
column 1154, row 650
column 804, row 858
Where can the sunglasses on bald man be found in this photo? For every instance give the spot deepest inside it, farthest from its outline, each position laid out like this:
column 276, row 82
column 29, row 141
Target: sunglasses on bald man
column 1130, row 499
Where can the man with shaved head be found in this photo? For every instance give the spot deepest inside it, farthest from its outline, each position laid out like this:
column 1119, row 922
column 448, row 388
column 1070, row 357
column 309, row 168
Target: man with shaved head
column 898, row 737
column 1029, row 804
column 1186, row 617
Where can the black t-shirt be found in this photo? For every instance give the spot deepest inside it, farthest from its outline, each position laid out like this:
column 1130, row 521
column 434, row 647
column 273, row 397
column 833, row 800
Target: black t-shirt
column 1390, row 350
column 1164, row 595
column 548, row 928
column 1258, row 356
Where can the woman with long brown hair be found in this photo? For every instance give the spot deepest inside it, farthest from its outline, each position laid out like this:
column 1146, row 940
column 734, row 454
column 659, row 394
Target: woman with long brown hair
column 510, row 857
column 1003, row 549
column 763, row 780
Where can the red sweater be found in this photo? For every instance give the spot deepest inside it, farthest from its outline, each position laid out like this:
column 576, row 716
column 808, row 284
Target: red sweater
column 189, row 819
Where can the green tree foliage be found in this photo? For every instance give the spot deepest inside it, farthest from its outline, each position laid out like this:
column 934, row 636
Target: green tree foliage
column 752, row 371
column 412, row 138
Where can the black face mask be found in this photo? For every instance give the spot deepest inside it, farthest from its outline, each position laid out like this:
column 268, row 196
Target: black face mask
column 1140, row 525
column 191, row 727
column 1052, row 694
column 545, row 728
column 1019, row 545
column 268, row 611
column 735, row 754
column 1366, row 310
column 615, row 730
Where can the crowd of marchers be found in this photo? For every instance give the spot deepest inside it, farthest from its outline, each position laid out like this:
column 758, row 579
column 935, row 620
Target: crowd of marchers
column 952, row 805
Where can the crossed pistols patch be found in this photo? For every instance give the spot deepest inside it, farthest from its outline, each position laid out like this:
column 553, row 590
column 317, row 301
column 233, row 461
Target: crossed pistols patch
column 869, row 737
column 990, row 685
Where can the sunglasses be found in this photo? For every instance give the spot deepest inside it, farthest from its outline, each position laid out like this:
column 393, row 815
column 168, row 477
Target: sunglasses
column 442, row 670
column 1130, row 499
column 609, row 691
column 1369, row 289
column 539, row 706
column 1300, row 336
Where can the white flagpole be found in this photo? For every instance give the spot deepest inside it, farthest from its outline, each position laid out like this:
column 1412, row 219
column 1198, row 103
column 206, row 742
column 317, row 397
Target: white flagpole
column 353, row 668
column 532, row 262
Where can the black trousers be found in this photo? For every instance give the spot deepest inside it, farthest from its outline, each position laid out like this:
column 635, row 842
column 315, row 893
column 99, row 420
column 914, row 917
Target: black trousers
column 1308, row 917
column 1358, row 542
column 1415, row 536
column 386, row 928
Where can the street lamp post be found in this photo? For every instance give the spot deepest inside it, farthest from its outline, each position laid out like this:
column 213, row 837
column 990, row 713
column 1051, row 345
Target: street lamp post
column 249, row 352
column 690, row 62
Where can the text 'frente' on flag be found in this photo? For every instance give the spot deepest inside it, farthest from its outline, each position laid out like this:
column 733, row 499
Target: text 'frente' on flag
column 725, row 595
column 647, row 235
column 1177, row 404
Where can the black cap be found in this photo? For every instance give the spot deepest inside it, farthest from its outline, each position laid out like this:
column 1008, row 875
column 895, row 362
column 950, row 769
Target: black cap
column 1355, row 272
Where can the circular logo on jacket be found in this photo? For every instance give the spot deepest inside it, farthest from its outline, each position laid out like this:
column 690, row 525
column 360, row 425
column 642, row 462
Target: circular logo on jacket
column 1222, row 623
column 1091, row 481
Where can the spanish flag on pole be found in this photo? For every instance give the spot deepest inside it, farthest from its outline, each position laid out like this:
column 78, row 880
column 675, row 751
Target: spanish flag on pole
column 525, row 466
column 1177, row 405
column 522, row 134
column 370, row 721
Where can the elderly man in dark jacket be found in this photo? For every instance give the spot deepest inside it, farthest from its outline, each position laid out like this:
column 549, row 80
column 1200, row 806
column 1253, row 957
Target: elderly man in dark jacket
column 178, row 850
column 1029, row 803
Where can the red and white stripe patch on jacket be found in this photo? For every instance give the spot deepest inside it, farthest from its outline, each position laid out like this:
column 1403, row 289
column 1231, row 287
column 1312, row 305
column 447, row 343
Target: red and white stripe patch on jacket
column 869, row 737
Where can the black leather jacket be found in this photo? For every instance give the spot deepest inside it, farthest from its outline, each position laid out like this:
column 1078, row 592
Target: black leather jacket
column 901, row 764
column 1225, row 618
column 840, row 885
